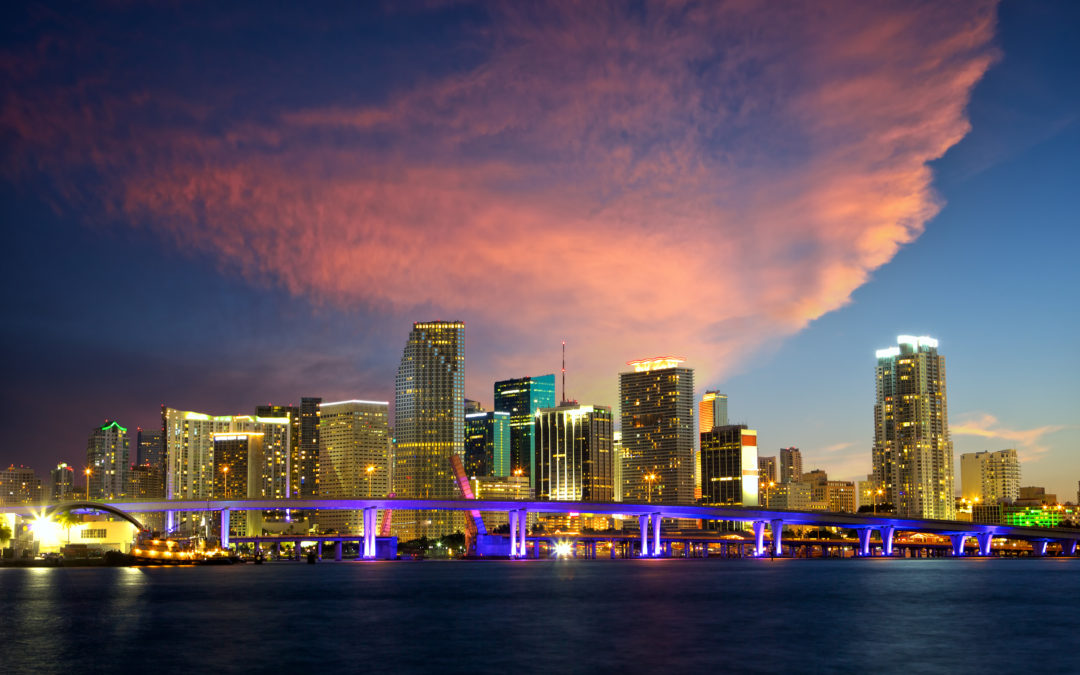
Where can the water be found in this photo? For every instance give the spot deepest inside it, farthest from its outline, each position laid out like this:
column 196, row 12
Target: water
column 550, row 616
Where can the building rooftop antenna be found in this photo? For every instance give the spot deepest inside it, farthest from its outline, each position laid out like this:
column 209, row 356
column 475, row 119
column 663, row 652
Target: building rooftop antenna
column 564, row 371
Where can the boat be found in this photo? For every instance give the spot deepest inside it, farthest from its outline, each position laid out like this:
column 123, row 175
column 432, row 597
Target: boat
column 165, row 552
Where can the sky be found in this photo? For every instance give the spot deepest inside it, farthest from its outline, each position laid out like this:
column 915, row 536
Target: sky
column 217, row 207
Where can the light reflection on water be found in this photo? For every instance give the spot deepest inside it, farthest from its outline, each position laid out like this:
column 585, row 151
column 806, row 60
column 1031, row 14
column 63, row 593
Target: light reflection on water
column 562, row 616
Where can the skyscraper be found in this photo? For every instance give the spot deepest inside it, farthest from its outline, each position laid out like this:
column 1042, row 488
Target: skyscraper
column 20, row 485
column 291, row 460
column 657, row 411
column 487, row 444
column 306, row 469
column 790, row 465
column 729, row 466
column 354, row 459
column 712, row 411
column 913, row 454
column 990, row 476
column 767, row 469
column 108, row 457
column 150, row 447
column 522, row 397
column 62, row 483
column 574, row 453
column 429, row 422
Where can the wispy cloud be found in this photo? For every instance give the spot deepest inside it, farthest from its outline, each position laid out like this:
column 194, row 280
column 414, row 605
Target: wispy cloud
column 1028, row 442
column 695, row 179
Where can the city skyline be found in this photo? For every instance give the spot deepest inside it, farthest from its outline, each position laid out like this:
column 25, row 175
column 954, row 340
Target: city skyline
column 782, row 315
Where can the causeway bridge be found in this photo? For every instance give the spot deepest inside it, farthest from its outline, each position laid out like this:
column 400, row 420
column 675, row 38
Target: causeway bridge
column 649, row 517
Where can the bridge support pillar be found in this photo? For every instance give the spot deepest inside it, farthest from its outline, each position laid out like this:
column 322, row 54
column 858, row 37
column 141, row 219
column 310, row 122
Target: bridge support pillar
column 224, row 529
column 1038, row 548
column 170, row 521
column 1068, row 547
column 337, row 550
column 887, row 540
column 984, row 539
column 512, row 516
column 296, row 550
column 958, row 543
column 759, row 537
column 318, row 549
column 523, row 532
column 643, row 522
column 864, row 541
column 371, row 514
column 777, row 528
column 656, row 550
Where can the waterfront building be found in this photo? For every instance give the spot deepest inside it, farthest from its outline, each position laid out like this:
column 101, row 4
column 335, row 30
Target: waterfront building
column 521, row 397
column 574, row 454
column 190, row 467
column 306, row 468
column 150, row 447
column 990, row 476
column 19, row 485
column 793, row 496
column 290, row 462
column 108, row 458
column 913, row 453
column 729, row 466
column 354, row 458
column 501, row 488
column 866, row 493
column 1035, row 496
column 1038, row 516
column 657, row 413
column 429, row 424
column 146, row 482
column 62, row 483
column 619, row 454
column 767, row 469
column 790, row 465
column 487, row 443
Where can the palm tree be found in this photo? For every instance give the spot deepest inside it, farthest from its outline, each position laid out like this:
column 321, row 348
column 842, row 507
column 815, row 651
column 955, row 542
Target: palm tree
column 67, row 520
column 5, row 534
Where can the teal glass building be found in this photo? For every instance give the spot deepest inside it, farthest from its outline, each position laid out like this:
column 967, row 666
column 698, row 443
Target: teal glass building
column 522, row 397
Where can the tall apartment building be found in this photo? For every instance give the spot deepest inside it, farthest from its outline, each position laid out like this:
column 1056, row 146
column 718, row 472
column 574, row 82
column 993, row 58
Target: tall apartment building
column 913, row 453
column 190, row 466
column 712, row 411
column 575, row 457
column 150, row 447
column 62, row 483
column 990, row 477
column 521, row 397
column 487, row 443
column 20, row 485
column 657, row 412
column 729, row 466
column 767, row 472
column 354, row 458
column 790, row 465
column 429, row 424
column 108, row 458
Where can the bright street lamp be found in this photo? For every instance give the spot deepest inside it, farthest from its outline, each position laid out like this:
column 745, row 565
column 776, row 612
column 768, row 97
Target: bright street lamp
column 87, row 472
column 225, row 470
column 651, row 477
column 370, row 470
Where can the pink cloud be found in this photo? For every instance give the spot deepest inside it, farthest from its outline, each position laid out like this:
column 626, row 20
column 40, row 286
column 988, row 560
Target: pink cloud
column 697, row 180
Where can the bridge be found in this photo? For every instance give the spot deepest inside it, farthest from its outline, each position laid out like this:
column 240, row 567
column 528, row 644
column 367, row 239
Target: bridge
column 649, row 516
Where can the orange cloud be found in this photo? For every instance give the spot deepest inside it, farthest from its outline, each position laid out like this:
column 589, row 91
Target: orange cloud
column 691, row 179
column 1028, row 441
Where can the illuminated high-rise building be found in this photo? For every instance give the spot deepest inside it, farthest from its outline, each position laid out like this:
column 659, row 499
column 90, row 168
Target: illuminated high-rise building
column 790, row 465
column 913, row 454
column 729, row 466
column 150, row 447
column 990, row 477
column 306, row 468
column 712, row 411
column 354, row 460
column 429, row 423
column 767, row 472
column 108, row 458
column 292, row 413
column 487, row 444
column 522, row 397
column 20, row 485
column 62, row 484
column 657, row 412
column 190, row 466
column 574, row 453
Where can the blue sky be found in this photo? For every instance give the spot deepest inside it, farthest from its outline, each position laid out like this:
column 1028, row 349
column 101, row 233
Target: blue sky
column 215, row 219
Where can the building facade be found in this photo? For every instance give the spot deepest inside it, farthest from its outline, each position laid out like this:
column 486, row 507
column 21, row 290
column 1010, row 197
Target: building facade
column 521, row 397
column 150, row 447
column 729, row 466
column 575, row 457
column 657, row 414
column 913, row 453
column 354, row 458
column 108, row 458
column 19, row 485
column 487, row 443
column 790, row 465
column 990, row 477
column 767, row 472
column 429, row 424
column 62, row 483
column 712, row 411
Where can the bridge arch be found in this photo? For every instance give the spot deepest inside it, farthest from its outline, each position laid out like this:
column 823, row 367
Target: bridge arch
column 94, row 506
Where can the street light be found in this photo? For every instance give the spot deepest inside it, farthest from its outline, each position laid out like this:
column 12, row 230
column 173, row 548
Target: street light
column 767, row 487
column 651, row 477
column 87, row 472
column 876, row 495
column 225, row 470
column 370, row 470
